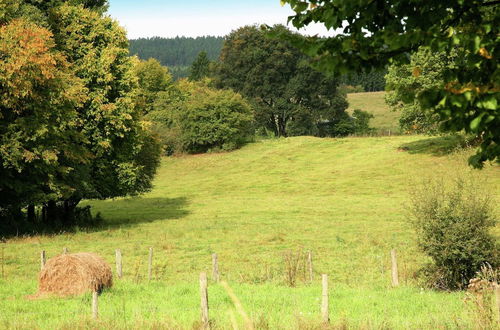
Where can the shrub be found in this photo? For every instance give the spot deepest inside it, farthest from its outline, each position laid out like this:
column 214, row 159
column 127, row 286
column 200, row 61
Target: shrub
column 358, row 123
column 452, row 220
column 202, row 119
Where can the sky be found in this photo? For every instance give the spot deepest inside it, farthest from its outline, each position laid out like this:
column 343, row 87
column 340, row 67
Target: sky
column 193, row 18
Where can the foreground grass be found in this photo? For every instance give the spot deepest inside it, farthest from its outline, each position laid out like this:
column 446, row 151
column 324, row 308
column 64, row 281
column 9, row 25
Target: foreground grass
column 342, row 199
column 160, row 305
column 384, row 119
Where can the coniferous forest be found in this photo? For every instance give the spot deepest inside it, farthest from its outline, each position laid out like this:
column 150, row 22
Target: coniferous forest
column 176, row 53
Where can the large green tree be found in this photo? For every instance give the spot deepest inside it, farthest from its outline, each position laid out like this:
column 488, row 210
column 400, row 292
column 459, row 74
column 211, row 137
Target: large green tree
column 68, row 100
column 289, row 97
column 373, row 33
column 404, row 81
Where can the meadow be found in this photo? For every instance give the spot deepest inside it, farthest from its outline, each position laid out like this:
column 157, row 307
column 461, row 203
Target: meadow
column 342, row 199
column 384, row 119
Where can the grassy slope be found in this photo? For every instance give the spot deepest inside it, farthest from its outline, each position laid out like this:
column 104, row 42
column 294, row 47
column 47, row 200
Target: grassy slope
column 374, row 103
column 340, row 198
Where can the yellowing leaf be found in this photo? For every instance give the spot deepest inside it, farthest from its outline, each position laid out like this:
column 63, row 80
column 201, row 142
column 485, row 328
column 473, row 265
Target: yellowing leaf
column 484, row 53
column 417, row 71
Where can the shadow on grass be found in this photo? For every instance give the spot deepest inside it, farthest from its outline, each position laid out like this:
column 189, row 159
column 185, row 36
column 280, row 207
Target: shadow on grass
column 98, row 215
column 131, row 211
column 436, row 146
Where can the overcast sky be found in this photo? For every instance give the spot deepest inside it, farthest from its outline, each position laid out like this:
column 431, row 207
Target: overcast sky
column 192, row 18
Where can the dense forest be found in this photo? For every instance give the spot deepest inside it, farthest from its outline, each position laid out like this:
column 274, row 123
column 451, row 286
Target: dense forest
column 176, row 53
column 180, row 52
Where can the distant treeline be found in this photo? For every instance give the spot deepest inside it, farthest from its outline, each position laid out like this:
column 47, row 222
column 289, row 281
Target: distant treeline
column 180, row 52
column 176, row 53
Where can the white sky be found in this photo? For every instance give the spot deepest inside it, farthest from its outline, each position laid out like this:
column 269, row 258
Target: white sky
column 148, row 19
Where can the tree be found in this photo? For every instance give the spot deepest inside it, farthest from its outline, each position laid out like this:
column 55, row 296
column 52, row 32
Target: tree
column 403, row 83
column 288, row 96
column 153, row 78
column 373, row 33
column 69, row 114
column 38, row 118
column 200, row 67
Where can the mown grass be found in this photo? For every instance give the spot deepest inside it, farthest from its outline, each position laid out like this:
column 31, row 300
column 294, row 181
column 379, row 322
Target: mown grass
column 342, row 199
column 384, row 119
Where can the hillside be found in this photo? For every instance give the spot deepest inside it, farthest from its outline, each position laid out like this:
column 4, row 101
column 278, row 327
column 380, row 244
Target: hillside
column 384, row 119
column 342, row 199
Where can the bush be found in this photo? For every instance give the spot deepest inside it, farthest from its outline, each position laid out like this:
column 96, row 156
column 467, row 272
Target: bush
column 452, row 220
column 202, row 119
column 358, row 123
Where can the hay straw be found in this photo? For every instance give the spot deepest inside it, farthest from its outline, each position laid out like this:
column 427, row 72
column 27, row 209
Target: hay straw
column 74, row 274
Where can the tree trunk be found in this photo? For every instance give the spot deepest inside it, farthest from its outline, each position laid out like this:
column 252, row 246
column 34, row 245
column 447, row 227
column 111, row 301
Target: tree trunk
column 51, row 213
column 31, row 213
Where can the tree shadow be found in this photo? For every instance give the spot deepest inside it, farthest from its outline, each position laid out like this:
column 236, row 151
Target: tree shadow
column 127, row 212
column 436, row 146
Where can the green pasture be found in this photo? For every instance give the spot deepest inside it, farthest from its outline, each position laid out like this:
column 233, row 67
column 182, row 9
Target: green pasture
column 384, row 119
column 342, row 199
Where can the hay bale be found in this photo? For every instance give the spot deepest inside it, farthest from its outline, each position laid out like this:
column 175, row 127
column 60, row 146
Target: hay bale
column 74, row 274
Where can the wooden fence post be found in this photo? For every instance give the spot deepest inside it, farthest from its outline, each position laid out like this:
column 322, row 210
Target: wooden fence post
column 42, row 259
column 3, row 261
column 150, row 263
column 204, row 300
column 394, row 269
column 95, row 306
column 497, row 298
column 310, row 265
column 324, row 301
column 65, row 250
column 118, row 254
column 215, row 268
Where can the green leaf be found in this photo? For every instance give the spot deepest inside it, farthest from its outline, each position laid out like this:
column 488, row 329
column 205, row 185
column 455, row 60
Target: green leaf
column 489, row 103
column 474, row 124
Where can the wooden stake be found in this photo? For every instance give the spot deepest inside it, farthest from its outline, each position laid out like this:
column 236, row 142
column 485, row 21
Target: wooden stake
column 324, row 301
column 215, row 266
column 394, row 270
column 150, row 264
column 3, row 261
column 95, row 306
column 42, row 259
column 204, row 300
column 118, row 254
column 65, row 250
column 310, row 265
column 497, row 298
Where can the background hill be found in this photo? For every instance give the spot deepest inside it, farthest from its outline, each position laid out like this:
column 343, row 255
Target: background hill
column 384, row 119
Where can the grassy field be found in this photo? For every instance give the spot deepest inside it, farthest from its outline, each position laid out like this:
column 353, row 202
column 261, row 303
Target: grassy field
column 342, row 199
column 384, row 119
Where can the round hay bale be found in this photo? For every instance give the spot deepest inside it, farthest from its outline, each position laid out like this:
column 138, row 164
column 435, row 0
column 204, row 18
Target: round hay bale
column 74, row 274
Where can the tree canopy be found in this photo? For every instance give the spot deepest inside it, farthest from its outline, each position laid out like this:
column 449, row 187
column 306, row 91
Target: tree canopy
column 288, row 96
column 403, row 85
column 374, row 33
column 70, row 128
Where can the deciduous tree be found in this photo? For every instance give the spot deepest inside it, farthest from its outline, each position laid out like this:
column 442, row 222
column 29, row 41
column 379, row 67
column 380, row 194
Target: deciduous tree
column 284, row 90
column 373, row 33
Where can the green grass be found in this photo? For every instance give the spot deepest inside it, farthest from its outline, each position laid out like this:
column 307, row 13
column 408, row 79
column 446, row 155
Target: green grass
column 384, row 119
column 340, row 198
